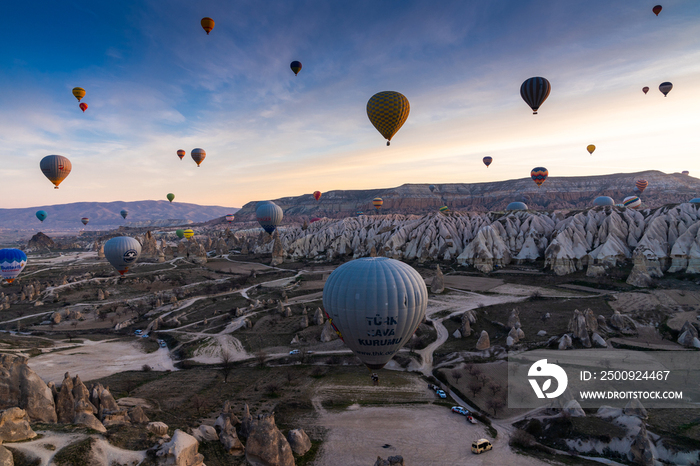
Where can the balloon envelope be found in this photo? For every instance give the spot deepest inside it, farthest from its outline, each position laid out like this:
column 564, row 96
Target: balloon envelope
column 79, row 93
column 645, row 89
column 56, row 168
column 641, row 185
column 590, row 148
column 198, row 155
column 603, row 201
column 188, row 233
column 180, row 233
column 181, row 153
column 170, row 197
column 85, row 220
column 41, row 215
column 124, row 213
column 122, row 252
column 207, row 24
column 12, row 261
column 431, row 187
column 538, row 175
column 376, row 304
column 632, row 202
column 517, row 206
column 296, row 67
column 388, row 111
column 83, row 106
column 444, row 209
column 230, row 218
column 377, row 202
column 269, row 215
column 534, row 92
column 685, row 172
column 665, row 88
column 657, row 9
column 487, row 161
column 317, row 195
column 695, row 201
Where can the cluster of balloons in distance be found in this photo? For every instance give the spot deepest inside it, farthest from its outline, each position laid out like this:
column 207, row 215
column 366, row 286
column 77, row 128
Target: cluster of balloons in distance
column 79, row 93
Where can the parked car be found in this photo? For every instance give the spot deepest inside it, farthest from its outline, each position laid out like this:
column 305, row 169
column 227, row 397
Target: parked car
column 432, row 386
column 441, row 393
column 138, row 332
column 481, row 446
column 471, row 420
column 294, row 351
column 163, row 344
column 460, row 410
column 145, row 335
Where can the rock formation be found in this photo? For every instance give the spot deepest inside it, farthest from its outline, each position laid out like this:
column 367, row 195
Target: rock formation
column 328, row 334
column 438, row 283
column 299, row 441
column 318, row 317
column 14, row 426
column 181, row 450
column 21, row 387
column 159, row 429
column 266, row 446
column 641, row 452
column 484, row 342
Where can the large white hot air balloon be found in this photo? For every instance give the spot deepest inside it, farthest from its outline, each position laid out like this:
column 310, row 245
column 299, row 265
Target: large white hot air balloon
column 375, row 304
column 122, row 252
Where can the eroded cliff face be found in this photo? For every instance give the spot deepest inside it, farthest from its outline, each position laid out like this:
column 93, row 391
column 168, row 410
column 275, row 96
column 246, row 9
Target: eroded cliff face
column 667, row 238
column 557, row 193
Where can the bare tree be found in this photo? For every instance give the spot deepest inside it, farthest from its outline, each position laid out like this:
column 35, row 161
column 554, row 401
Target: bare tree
column 226, row 360
column 475, row 386
column 495, row 405
column 456, row 374
column 494, row 387
column 261, row 356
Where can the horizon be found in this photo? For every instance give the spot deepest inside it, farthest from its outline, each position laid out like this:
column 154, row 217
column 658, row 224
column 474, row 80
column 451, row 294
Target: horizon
column 156, row 83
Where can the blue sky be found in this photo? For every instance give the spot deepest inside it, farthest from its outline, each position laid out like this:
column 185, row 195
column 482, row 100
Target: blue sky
column 157, row 83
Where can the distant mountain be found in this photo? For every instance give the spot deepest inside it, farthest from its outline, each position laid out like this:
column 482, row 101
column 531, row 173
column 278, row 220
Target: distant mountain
column 556, row 193
column 106, row 215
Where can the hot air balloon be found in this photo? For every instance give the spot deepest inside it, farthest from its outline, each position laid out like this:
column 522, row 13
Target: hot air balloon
column 431, row 188
column 645, row 89
column 641, row 185
column 79, row 93
column 517, row 205
column 207, row 24
column 230, row 218
column 375, row 305
column 180, row 233
column 83, row 106
column 538, row 175
column 181, row 153
column 269, row 215
column 188, row 233
column 487, row 161
column 444, row 209
column 388, row 111
column 56, row 168
column 665, row 88
column 122, row 252
column 198, row 155
column 85, row 220
column 590, row 148
column 632, row 202
column 534, row 92
column 41, row 215
column 12, row 261
column 296, row 67
column 603, row 201
column 315, row 219
column 377, row 202
column 685, row 172
column 170, row 197
column 657, row 9
column 317, row 195
column 124, row 213
column 695, row 201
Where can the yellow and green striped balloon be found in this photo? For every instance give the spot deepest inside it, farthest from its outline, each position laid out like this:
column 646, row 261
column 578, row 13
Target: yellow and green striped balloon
column 388, row 111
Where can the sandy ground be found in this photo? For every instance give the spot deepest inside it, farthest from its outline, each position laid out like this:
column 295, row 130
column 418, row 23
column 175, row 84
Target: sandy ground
column 96, row 359
column 471, row 283
column 243, row 268
column 103, row 451
column 424, row 435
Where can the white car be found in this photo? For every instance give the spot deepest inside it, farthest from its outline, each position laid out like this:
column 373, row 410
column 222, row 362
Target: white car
column 294, row 351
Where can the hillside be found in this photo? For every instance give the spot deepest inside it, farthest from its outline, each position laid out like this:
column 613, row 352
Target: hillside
column 555, row 193
column 106, row 215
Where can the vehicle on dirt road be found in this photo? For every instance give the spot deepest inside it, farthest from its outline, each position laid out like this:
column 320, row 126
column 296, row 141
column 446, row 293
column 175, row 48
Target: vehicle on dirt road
column 441, row 393
column 294, row 351
column 481, row 446
column 471, row 420
column 460, row 410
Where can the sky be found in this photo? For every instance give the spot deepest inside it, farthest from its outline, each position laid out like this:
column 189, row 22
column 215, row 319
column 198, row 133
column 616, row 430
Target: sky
column 156, row 82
